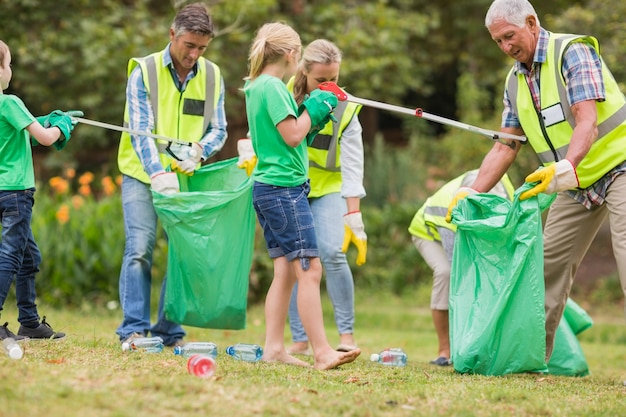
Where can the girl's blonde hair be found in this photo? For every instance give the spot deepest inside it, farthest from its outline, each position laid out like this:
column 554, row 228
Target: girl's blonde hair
column 320, row 51
column 273, row 41
column 4, row 48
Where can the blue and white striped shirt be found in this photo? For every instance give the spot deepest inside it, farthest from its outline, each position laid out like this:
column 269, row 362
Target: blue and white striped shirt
column 141, row 117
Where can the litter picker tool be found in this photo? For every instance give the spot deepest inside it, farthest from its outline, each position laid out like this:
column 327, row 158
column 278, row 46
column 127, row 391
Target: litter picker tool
column 131, row 131
column 343, row 96
column 172, row 151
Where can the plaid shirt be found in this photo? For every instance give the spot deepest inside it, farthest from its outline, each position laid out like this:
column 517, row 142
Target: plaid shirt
column 582, row 69
column 141, row 117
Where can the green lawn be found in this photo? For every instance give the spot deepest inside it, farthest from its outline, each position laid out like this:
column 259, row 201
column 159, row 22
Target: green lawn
column 87, row 374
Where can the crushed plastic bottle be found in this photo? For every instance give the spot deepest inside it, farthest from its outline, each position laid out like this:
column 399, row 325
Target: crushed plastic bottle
column 145, row 344
column 202, row 366
column 390, row 357
column 12, row 348
column 245, row 352
column 193, row 348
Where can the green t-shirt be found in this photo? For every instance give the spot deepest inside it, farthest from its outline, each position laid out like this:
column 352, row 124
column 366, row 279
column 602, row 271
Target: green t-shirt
column 16, row 157
column 268, row 102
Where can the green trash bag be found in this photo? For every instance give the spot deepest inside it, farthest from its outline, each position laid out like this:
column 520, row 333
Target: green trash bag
column 497, row 317
column 567, row 357
column 210, row 229
column 576, row 317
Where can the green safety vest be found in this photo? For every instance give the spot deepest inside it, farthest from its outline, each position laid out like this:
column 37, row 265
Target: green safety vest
column 549, row 132
column 183, row 115
column 433, row 212
column 324, row 152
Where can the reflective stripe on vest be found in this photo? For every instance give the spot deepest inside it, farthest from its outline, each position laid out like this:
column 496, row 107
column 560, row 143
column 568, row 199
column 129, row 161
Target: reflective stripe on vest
column 191, row 110
column 324, row 152
column 546, row 131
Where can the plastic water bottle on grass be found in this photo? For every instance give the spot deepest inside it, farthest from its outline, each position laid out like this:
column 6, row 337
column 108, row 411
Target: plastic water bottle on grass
column 145, row 344
column 245, row 352
column 390, row 357
column 193, row 348
column 12, row 348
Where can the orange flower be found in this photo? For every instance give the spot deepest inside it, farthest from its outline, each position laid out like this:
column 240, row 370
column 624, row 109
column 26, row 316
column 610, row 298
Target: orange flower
column 118, row 180
column 86, row 178
column 84, row 190
column 63, row 214
column 108, row 186
column 59, row 185
column 70, row 172
column 77, row 202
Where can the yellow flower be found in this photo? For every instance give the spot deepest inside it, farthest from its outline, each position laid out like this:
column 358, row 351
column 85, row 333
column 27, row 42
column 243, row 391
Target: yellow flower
column 59, row 185
column 84, row 190
column 77, row 202
column 86, row 178
column 108, row 186
column 63, row 214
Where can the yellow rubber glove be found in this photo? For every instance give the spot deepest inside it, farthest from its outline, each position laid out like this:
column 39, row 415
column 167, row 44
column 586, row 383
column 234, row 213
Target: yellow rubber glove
column 247, row 157
column 355, row 234
column 552, row 179
column 460, row 195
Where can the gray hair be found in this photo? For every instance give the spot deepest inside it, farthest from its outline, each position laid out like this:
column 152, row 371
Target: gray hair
column 511, row 11
column 194, row 18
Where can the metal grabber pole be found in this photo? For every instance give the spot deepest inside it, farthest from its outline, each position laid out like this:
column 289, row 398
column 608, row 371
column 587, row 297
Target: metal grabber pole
column 343, row 96
column 131, row 131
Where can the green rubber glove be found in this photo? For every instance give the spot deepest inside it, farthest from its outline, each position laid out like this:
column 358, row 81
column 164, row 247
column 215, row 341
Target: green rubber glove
column 65, row 123
column 320, row 105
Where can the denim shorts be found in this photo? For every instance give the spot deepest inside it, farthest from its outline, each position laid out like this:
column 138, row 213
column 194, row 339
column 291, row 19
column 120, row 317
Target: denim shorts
column 285, row 216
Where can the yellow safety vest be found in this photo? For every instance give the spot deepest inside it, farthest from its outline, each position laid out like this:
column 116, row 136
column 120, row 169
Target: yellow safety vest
column 324, row 152
column 182, row 115
column 549, row 132
column 433, row 212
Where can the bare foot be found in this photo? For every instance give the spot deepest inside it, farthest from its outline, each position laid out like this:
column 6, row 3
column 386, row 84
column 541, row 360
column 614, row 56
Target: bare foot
column 334, row 359
column 284, row 357
column 299, row 348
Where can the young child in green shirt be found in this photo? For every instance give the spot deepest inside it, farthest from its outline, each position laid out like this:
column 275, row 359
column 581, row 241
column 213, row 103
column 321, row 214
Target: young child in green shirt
column 19, row 254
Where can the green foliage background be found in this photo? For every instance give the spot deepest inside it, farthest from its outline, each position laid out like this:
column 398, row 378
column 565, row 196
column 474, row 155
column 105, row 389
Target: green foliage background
column 72, row 54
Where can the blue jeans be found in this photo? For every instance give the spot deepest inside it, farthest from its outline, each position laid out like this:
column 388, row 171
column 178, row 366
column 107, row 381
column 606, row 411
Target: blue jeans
column 19, row 254
column 140, row 227
column 328, row 214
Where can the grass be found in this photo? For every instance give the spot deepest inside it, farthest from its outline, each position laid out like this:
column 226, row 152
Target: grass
column 87, row 374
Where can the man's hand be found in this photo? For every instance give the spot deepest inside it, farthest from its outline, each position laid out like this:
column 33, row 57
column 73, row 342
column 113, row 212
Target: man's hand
column 188, row 166
column 554, row 178
column 460, row 195
column 355, row 233
column 247, row 157
column 165, row 183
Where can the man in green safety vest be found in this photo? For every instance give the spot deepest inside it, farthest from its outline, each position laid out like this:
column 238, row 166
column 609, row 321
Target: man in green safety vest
column 179, row 94
column 562, row 96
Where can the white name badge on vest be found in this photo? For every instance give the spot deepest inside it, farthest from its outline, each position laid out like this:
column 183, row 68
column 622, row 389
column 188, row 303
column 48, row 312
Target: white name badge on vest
column 552, row 115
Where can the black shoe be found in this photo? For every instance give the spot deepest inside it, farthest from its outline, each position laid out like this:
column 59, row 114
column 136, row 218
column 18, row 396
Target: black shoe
column 44, row 331
column 5, row 333
column 441, row 361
